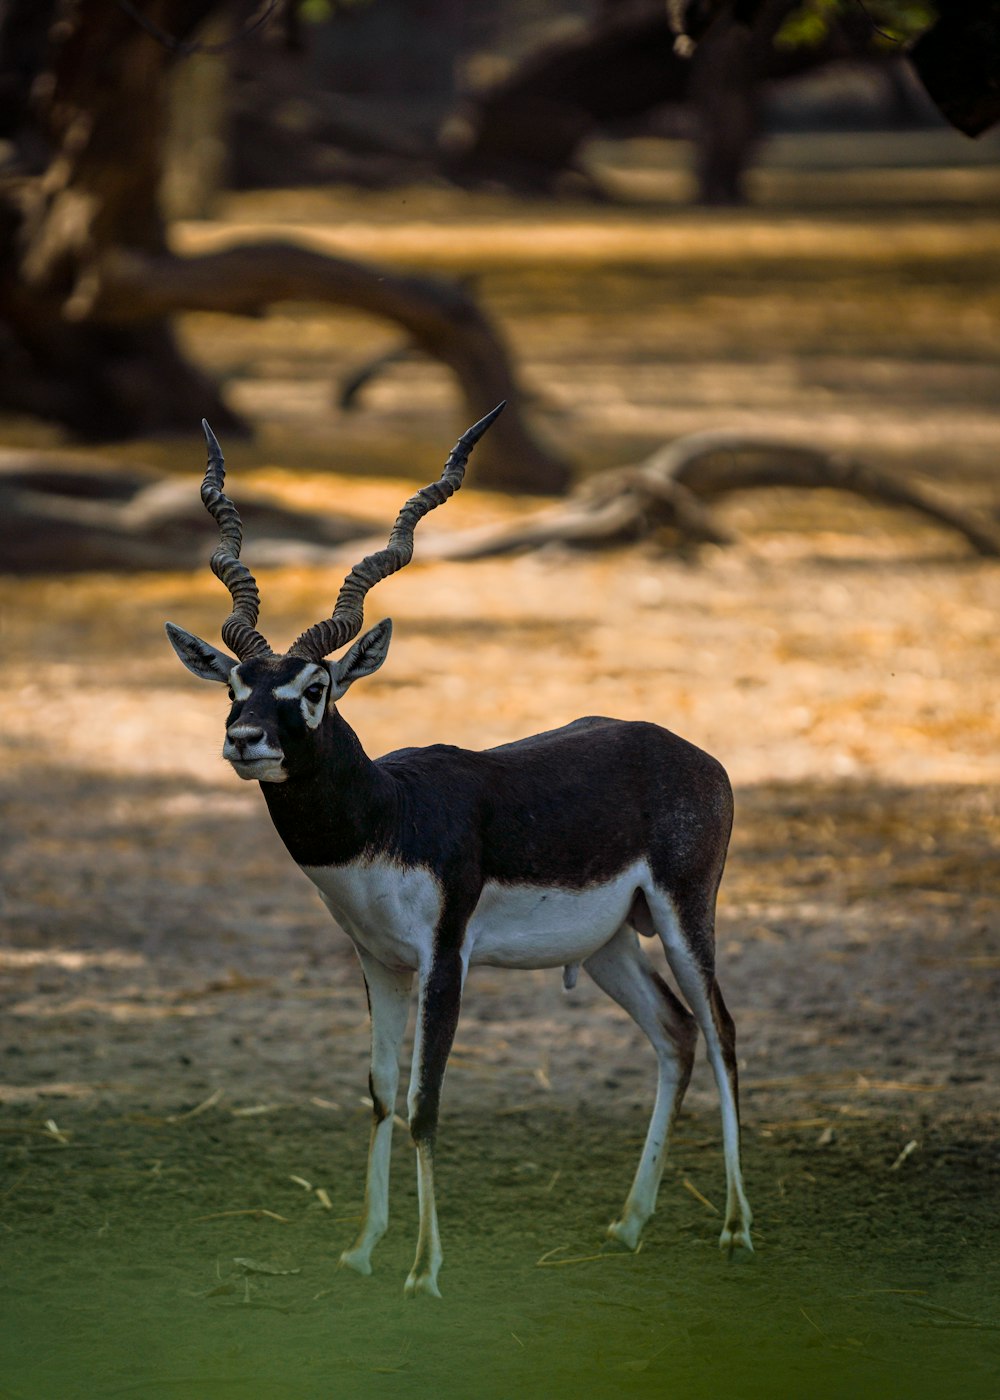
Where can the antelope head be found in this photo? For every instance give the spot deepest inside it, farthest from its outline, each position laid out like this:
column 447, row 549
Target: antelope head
column 282, row 703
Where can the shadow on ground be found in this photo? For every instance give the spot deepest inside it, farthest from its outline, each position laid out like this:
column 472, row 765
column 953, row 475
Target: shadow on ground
column 185, row 1048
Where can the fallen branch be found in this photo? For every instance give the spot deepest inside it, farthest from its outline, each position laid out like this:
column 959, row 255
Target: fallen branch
column 671, row 490
column 439, row 317
column 58, row 515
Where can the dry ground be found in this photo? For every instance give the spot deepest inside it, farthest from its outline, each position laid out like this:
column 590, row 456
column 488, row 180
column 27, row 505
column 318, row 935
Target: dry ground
column 183, row 1031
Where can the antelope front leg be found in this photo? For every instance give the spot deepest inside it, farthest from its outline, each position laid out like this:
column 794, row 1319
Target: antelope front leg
column 440, row 999
column 388, row 1006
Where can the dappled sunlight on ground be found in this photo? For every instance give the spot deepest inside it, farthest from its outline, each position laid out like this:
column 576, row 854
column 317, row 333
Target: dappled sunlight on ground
column 183, row 1031
column 790, row 657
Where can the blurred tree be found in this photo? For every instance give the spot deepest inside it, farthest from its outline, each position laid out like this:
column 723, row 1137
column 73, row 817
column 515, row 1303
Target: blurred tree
column 526, row 130
column 88, row 284
column 90, row 129
column 198, row 134
column 955, row 46
column 958, row 61
column 716, row 57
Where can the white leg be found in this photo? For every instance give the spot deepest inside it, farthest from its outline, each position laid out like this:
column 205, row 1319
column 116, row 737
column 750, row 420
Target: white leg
column 423, row 1276
column 440, row 1000
column 736, row 1231
column 688, row 943
column 620, row 969
column 388, row 1005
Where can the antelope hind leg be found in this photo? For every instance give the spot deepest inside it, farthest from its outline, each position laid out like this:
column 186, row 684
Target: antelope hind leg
column 688, row 941
column 620, row 968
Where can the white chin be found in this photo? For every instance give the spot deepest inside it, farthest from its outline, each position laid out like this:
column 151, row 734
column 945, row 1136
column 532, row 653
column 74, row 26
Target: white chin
column 261, row 770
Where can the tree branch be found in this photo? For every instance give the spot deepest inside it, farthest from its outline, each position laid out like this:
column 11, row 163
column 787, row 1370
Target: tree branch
column 670, row 489
column 439, row 317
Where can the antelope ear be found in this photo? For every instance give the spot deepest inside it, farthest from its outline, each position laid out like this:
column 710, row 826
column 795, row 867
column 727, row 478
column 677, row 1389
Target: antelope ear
column 206, row 661
column 364, row 657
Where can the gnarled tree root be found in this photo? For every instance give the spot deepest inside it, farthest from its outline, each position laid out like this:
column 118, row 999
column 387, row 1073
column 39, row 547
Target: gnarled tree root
column 671, row 491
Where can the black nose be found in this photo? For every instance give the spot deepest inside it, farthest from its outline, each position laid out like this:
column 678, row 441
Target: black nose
column 246, row 736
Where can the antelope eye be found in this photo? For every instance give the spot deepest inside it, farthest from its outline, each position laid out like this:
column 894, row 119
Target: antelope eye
column 314, row 692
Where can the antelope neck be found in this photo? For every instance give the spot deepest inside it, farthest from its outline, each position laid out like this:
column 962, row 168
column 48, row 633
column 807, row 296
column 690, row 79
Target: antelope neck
column 341, row 808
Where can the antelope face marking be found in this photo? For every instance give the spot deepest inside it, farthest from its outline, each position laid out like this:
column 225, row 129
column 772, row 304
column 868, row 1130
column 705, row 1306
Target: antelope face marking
column 278, row 702
column 274, row 730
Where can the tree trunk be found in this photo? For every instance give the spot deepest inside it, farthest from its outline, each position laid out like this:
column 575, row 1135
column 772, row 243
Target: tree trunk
column 728, row 71
column 88, row 285
column 196, row 155
column 105, row 113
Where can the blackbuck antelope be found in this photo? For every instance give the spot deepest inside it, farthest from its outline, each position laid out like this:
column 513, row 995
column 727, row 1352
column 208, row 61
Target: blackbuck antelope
column 552, row 851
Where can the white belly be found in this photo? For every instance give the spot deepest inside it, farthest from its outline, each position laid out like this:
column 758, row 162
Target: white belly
column 392, row 912
column 539, row 926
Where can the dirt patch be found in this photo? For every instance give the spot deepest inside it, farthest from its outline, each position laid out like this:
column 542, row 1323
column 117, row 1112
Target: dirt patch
column 183, row 1031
